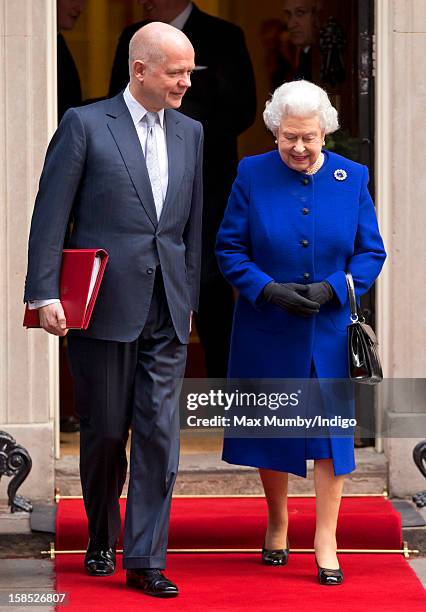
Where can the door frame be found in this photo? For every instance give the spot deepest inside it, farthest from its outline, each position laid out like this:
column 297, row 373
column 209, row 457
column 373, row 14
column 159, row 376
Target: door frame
column 383, row 165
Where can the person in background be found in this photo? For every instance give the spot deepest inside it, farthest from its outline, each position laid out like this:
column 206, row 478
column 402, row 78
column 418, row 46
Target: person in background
column 302, row 18
column 69, row 88
column 298, row 218
column 223, row 99
column 280, row 54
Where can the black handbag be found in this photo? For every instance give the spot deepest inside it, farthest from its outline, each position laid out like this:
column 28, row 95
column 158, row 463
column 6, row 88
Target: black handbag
column 363, row 355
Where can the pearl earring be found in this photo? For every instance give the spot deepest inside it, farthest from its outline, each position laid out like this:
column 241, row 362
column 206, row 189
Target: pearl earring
column 276, row 141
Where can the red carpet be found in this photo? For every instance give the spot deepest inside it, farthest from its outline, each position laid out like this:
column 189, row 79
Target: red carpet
column 364, row 522
column 239, row 582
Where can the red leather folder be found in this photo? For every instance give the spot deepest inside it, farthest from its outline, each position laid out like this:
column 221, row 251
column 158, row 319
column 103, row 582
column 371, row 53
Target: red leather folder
column 78, row 287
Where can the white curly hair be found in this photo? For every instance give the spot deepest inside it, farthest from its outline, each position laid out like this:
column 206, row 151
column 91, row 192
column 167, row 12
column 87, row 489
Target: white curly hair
column 300, row 99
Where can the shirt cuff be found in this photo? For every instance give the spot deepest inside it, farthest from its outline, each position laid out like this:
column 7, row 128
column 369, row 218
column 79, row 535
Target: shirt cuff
column 35, row 304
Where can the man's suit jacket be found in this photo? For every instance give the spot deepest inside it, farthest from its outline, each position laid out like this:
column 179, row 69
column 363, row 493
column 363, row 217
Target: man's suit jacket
column 95, row 171
column 222, row 97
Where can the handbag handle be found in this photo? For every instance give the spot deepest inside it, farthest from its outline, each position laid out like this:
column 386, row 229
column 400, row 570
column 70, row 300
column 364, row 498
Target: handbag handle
column 355, row 313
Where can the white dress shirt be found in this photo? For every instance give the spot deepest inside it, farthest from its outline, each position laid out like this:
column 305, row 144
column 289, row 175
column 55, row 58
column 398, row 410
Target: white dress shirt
column 137, row 112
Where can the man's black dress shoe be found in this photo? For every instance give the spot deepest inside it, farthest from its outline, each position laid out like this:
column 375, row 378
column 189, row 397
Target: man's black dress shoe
column 329, row 577
column 151, row 582
column 275, row 557
column 99, row 561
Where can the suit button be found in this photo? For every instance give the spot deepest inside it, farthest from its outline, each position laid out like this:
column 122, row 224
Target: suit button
column 305, row 211
column 306, row 275
column 304, row 243
column 149, row 270
column 305, row 181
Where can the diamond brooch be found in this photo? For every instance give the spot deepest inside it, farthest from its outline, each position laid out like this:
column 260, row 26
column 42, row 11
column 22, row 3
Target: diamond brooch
column 340, row 175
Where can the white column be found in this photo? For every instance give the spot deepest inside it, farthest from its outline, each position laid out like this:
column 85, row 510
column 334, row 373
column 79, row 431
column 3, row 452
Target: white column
column 401, row 197
column 28, row 360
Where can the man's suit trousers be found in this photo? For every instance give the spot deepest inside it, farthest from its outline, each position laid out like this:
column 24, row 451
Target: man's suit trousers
column 137, row 384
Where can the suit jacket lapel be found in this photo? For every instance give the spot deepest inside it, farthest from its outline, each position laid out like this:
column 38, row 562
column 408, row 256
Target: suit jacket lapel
column 176, row 157
column 124, row 133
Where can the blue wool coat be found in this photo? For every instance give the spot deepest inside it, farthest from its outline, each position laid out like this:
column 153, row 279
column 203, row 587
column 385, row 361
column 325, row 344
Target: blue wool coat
column 285, row 226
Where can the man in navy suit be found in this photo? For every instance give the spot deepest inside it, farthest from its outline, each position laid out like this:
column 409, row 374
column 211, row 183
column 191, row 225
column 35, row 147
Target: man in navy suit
column 129, row 171
column 223, row 98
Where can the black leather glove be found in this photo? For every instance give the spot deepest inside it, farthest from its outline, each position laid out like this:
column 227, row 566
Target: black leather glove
column 319, row 292
column 288, row 296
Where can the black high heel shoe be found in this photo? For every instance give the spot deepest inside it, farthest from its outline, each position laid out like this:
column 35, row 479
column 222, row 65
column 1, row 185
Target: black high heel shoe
column 275, row 557
column 329, row 577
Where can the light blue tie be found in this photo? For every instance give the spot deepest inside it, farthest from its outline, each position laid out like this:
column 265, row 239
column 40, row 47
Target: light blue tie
column 152, row 163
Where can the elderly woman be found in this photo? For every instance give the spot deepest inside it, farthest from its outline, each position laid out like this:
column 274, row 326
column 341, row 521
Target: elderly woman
column 297, row 218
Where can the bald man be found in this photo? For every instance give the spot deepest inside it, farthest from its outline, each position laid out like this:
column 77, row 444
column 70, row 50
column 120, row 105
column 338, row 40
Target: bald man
column 129, row 171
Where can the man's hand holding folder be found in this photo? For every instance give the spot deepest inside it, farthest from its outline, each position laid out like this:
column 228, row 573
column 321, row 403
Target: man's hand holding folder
column 52, row 319
column 81, row 275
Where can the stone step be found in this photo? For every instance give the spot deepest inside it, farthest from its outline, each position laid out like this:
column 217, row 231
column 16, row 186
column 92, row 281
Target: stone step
column 204, row 473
